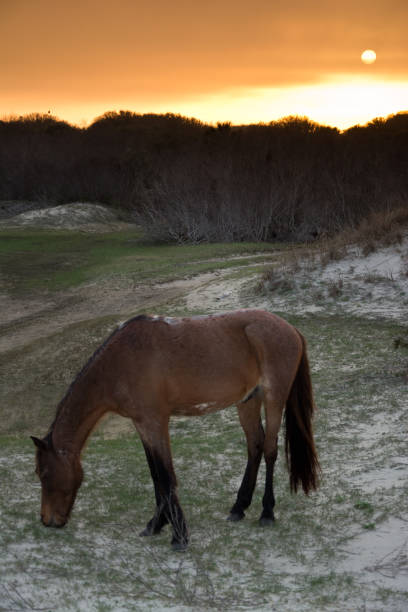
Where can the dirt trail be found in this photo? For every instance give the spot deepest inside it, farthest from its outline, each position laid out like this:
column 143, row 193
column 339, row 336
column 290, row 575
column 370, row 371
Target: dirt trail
column 25, row 320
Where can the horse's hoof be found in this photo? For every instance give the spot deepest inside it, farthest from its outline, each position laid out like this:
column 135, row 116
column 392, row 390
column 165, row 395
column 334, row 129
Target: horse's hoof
column 266, row 521
column 151, row 529
column 234, row 517
column 146, row 532
column 178, row 546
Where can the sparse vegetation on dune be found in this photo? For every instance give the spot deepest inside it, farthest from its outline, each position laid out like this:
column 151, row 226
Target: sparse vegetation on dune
column 379, row 230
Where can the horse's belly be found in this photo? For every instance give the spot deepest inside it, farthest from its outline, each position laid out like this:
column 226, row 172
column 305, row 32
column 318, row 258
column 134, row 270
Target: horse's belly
column 201, row 395
column 199, row 409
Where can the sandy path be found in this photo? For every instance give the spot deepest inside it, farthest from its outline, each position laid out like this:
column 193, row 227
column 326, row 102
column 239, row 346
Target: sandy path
column 25, row 320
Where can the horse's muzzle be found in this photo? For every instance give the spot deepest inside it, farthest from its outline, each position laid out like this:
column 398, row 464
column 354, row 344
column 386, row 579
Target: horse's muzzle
column 52, row 522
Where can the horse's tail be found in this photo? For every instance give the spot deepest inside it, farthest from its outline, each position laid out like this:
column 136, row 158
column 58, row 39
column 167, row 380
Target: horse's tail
column 300, row 449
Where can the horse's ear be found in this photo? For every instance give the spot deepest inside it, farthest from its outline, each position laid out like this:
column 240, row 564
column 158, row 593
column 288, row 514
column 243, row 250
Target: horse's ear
column 39, row 443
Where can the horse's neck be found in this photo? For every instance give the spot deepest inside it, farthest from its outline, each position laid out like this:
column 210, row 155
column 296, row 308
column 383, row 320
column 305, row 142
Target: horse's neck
column 76, row 418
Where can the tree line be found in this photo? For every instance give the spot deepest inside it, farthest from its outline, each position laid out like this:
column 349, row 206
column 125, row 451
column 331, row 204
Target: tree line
column 184, row 180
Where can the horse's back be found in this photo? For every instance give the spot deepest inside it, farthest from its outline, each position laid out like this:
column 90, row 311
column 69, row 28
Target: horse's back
column 216, row 341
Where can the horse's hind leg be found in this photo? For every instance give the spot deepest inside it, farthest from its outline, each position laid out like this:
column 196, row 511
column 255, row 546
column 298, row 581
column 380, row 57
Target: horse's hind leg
column 250, row 419
column 168, row 509
column 273, row 417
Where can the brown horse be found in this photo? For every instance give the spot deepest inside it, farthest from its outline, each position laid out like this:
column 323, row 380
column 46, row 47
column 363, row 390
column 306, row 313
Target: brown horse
column 151, row 368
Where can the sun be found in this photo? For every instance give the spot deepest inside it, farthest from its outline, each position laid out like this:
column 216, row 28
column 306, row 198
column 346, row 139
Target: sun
column 368, row 56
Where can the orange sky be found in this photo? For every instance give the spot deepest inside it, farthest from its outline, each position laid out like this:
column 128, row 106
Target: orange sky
column 216, row 60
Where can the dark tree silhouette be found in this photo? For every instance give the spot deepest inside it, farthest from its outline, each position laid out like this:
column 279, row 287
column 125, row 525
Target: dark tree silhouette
column 183, row 180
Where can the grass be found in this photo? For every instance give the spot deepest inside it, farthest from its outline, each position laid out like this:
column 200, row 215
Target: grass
column 35, row 261
column 34, row 377
column 304, row 562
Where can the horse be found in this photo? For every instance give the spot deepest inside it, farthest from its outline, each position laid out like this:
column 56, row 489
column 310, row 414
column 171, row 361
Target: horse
column 154, row 367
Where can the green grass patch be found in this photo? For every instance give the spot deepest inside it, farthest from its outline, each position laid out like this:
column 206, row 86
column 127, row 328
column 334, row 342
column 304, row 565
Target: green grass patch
column 55, row 260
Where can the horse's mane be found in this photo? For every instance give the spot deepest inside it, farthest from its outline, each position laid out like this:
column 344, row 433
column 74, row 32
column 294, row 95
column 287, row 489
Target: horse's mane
column 97, row 353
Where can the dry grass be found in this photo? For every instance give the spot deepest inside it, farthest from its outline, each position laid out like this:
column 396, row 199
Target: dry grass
column 335, row 288
column 381, row 229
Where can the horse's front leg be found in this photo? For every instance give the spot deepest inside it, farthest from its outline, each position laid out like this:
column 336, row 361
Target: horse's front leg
column 168, row 510
column 250, row 419
column 159, row 519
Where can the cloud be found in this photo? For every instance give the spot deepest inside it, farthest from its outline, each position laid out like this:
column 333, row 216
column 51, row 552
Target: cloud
column 142, row 50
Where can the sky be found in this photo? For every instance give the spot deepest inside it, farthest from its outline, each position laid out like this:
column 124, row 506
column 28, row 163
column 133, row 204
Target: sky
column 216, row 60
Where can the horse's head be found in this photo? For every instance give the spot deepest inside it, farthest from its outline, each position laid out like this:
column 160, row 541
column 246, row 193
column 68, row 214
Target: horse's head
column 61, row 475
